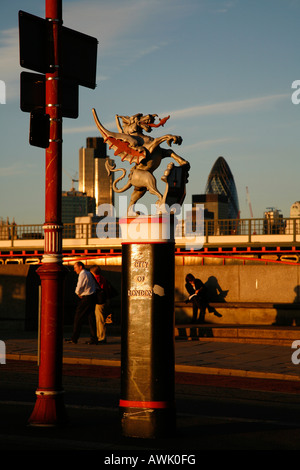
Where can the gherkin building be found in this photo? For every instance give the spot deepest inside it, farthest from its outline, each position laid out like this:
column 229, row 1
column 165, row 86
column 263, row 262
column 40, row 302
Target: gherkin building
column 220, row 181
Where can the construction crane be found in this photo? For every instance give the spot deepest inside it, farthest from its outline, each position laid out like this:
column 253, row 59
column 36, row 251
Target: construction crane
column 73, row 179
column 249, row 202
column 250, row 208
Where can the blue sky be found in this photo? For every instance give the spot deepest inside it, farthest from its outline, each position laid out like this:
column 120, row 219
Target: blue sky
column 222, row 70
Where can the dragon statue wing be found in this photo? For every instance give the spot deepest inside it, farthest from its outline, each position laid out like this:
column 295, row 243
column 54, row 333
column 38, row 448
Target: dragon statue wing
column 125, row 146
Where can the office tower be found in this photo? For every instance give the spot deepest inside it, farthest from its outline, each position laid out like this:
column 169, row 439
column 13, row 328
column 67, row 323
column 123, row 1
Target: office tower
column 273, row 221
column 215, row 205
column 295, row 210
column 293, row 224
column 76, row 204
column 93, row 177
column 220, row 181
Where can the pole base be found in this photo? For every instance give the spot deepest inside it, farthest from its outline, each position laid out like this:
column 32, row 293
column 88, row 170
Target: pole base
column 49, row 410
column 148, row 423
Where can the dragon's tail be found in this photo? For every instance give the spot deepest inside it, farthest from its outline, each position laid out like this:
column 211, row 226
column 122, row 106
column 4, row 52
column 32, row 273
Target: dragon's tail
column 112, row 168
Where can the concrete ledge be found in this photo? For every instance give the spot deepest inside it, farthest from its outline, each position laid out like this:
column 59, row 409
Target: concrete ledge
column 238, row 334
column 235, row 373
column 275, row 305
column 67, row 360
column 244, row 313
column 179, row 368
column 21, row 357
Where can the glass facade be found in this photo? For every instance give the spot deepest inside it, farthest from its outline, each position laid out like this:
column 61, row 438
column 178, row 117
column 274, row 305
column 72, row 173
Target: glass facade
column 93, row 177
column 220, row 181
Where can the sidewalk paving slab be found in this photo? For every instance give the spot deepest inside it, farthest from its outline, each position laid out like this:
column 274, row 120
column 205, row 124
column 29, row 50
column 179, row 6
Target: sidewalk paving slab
column 193, row 356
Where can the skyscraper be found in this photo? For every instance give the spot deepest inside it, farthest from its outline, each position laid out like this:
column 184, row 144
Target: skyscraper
column 93, row 177
column 76, row 204
column 220, row 181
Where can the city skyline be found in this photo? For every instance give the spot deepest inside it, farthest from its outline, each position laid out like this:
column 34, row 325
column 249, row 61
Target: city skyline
column 222, row 70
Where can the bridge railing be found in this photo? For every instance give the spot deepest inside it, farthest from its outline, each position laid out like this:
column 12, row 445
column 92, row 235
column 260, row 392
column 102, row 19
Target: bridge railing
column 21, row 232
column 220, row 227
column 252, row 226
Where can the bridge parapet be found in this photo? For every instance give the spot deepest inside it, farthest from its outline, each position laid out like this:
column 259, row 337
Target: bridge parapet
column 220, row 237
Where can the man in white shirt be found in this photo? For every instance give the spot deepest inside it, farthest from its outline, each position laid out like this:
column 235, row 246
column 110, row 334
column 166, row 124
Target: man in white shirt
column 86, row 291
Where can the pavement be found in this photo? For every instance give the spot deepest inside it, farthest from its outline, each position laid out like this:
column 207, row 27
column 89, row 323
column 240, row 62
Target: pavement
column 199, row 356
column 220, row 419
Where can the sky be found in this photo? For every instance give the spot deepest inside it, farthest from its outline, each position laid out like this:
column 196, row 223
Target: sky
column 222, row 69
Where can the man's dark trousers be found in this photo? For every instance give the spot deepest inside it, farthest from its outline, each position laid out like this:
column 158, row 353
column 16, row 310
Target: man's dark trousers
column 199, row 304
column 85, row 308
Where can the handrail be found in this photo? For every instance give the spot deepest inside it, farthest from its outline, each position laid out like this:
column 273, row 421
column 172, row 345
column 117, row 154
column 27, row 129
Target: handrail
column 249, row 228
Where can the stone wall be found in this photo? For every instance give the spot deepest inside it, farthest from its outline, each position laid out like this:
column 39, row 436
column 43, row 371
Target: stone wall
column 19, row 296
column 19, row 292
column 245, row 283
column 259, row 283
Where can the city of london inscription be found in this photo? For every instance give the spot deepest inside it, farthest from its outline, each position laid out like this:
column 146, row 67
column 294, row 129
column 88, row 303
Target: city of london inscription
column 140, row 290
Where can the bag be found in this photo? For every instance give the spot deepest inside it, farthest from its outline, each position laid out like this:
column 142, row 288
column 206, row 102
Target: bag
column 100, row 297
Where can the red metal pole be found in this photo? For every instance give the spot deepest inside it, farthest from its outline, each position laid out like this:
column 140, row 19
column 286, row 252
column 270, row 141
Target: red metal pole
column 49, row 409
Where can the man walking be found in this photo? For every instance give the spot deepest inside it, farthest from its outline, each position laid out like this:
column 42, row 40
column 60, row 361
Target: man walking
column 86, row 291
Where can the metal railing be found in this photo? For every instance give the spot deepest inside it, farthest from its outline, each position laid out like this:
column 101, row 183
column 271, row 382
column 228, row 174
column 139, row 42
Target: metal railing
column 219, row 228
column 252, row 227
column 21, row 232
